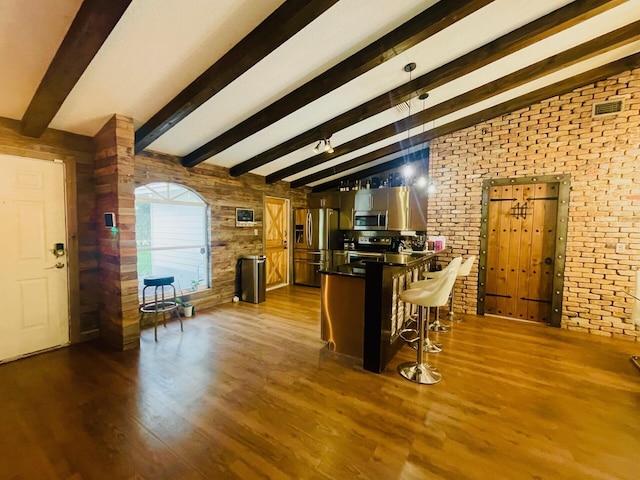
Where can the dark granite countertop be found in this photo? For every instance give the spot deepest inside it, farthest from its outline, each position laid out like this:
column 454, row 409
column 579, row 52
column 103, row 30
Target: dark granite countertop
column 358, row 269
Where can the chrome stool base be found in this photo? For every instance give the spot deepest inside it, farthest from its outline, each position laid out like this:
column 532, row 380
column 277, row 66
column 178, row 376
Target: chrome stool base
column 422, row 373
column 436, row 326
column 635, row 359
column 428, row 346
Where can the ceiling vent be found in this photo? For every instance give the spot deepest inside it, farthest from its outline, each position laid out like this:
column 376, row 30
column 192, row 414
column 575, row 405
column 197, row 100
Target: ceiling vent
column 603, row 109
column 406, row 106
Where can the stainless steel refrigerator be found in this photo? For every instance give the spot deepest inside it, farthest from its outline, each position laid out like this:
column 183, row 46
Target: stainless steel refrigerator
column 315, row 235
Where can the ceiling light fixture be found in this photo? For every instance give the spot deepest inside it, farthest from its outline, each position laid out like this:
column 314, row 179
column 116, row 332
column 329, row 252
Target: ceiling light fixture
column 324, row 144
column 428, row 182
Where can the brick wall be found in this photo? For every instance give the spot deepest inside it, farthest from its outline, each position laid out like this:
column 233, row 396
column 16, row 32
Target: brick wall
column 223, row 194
column 558, row 136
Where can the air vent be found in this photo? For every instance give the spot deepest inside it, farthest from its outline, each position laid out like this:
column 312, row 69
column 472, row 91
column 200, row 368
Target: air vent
column 612, row 107
column 404, row 107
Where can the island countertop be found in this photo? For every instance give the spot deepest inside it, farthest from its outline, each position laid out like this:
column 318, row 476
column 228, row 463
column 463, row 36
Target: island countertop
column 361, row 310
column 358, row 269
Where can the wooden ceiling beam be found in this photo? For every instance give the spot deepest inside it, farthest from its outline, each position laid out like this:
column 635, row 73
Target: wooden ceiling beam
column 584, row 51
column 386, row 151
column 504, row 108
column 287, row 20
column 431, row 21
column 381, row 167
column 533, row 32
column 89, row 30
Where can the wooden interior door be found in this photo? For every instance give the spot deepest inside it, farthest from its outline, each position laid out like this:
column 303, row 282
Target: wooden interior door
column 521, row 250
column 34, row 273
column 276, row 241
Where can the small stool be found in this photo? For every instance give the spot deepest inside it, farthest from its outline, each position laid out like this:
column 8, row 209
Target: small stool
column 434, row 294
column 161, row 303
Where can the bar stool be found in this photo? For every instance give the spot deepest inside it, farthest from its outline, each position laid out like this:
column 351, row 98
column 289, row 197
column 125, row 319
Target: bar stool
column 162, row 303
column 463, row 271
column 436, row 326
column 433, row 294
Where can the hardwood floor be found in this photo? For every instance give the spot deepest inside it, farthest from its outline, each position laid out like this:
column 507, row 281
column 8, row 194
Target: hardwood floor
column 249, row 391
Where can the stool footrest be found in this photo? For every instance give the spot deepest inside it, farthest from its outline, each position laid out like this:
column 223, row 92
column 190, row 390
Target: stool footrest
column 159, row 307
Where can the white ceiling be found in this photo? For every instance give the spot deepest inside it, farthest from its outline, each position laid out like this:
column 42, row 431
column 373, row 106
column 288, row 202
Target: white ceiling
column 160, row 46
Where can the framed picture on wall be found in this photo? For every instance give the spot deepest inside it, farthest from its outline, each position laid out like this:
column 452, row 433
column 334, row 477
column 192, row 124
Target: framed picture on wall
column 244, row 217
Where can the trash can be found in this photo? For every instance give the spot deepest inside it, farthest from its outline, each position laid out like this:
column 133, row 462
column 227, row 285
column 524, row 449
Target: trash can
column 253, row 276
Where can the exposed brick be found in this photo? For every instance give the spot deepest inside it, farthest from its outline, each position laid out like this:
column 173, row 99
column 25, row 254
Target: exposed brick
column 558, row 136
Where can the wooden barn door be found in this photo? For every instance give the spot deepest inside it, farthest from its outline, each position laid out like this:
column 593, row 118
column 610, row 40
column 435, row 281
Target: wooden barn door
column 276, row 241
column 520, row 271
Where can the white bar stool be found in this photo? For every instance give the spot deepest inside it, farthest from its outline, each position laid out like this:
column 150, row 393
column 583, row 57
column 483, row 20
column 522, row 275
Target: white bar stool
column 436, row 326
column 434, row 294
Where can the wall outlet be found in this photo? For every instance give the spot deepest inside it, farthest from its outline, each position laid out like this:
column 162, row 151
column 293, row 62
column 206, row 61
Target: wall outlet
column 255, row 232
column 620, row 247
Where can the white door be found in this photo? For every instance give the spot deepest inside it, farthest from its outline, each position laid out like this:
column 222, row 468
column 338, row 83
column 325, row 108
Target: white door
column 33, row 281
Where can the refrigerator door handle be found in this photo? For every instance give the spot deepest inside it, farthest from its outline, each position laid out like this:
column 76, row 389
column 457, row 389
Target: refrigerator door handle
column 309, row 228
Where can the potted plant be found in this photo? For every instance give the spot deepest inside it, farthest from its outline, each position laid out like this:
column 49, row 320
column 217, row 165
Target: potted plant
column 185, row 307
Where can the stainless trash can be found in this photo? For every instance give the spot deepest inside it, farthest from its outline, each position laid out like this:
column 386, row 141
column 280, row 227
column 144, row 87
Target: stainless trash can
column 253, row 278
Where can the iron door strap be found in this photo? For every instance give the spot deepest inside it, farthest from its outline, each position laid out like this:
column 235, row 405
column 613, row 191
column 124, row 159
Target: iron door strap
column 497, row 295
column 535, row 300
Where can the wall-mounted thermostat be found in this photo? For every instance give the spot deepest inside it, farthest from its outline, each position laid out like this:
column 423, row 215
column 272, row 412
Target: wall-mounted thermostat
column 109, row 219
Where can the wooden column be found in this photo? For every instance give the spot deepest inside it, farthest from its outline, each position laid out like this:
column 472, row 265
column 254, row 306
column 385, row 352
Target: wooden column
column 115, row 185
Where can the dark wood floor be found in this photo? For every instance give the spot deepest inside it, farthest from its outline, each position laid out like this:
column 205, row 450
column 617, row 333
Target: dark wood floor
column 249, row 391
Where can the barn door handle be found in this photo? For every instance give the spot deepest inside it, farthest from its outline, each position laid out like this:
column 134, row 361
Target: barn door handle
column 548, row 261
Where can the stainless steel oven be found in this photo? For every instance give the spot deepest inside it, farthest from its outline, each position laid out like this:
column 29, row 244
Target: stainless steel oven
column 358, row 256
column 370, row 220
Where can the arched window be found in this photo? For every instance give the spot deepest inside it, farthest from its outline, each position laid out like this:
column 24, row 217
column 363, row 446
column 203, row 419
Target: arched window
column 172, row 235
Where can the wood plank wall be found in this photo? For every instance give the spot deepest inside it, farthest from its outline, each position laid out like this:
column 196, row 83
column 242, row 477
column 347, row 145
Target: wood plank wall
column 223, row 194
column 77, row 153
column 118, row 285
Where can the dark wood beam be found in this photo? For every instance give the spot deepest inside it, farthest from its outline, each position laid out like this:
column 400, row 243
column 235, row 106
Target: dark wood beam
column 556, row 89
column 431, row 21
column 90, row 28
column 522, row 37
column 386, row 151
column 609, row 41
column 382, row 167
column 291, row 17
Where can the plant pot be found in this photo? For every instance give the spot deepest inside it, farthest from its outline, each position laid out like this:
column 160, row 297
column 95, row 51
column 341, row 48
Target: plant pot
column 188, row 310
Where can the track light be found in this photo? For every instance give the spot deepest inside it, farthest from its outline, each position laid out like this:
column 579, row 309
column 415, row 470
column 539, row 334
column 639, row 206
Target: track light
column 327, row 146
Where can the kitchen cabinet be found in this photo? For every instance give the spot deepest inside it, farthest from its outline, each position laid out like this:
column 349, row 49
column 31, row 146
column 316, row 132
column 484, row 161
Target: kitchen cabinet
column 347, row 205
column 398, row 207
column 376, row 199
column 418, row 203
column 324, row 200
column 406, row 206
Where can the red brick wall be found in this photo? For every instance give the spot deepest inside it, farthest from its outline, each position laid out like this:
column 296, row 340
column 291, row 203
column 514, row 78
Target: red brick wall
column 558, row 136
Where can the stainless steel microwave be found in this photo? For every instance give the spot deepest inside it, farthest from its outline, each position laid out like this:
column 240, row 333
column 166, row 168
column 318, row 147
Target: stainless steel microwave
column 370, row 220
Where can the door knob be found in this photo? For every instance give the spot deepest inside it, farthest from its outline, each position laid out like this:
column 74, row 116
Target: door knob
column 548, row 261
column 57, row 265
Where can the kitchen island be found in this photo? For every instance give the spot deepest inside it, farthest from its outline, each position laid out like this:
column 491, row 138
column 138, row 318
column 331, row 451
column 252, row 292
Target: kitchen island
column 361, row 311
